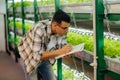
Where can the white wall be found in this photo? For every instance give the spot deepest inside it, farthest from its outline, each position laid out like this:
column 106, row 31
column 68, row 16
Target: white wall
column 2, row 7
column 2, row 25
column 2, row 33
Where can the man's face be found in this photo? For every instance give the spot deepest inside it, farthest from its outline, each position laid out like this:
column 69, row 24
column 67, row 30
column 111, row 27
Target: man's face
column 62, row 28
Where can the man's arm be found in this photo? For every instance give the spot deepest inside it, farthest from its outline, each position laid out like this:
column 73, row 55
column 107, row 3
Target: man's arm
column 52, row 54
column 38, row 53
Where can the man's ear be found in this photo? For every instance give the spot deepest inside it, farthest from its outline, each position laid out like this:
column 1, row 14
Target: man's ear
column 55, row 24
column 54, row 27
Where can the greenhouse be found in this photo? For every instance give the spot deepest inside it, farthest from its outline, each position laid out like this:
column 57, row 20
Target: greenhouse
column 94, row 34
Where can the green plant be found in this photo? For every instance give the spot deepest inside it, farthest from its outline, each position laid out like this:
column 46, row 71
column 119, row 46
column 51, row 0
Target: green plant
column 43, row 2
column 73, row 1
column 18, row 39
column 67, row 73
column 74, row 39
column 19, row 25
column 18, row 4
column 111, row 47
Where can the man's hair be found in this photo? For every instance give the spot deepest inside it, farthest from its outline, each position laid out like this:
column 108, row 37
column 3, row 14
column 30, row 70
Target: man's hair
column 61, row 16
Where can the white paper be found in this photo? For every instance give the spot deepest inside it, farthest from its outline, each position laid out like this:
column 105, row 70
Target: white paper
column 75, row 49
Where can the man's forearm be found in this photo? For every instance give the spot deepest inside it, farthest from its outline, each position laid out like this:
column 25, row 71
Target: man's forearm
column 47, row 55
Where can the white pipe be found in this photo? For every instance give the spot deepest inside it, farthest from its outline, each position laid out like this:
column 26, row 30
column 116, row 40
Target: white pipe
column 94, row 64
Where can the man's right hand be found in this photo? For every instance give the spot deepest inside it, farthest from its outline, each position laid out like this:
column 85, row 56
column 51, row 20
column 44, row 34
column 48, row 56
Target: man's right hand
column 66, row 49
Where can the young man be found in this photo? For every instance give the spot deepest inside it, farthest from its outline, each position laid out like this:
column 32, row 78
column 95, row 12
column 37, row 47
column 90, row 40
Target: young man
column 43, row 43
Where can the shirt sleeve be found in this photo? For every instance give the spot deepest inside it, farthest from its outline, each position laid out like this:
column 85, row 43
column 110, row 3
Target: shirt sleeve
column 64, row 42
column 37, row 42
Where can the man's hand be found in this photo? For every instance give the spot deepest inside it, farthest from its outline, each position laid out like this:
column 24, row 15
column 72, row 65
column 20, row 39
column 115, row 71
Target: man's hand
column 66, row 49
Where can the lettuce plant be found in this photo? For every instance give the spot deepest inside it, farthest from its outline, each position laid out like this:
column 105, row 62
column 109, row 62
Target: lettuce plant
column 19, row 25
column 111, row 47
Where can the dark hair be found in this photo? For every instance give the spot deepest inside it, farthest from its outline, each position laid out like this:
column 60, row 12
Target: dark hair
column 61, row 16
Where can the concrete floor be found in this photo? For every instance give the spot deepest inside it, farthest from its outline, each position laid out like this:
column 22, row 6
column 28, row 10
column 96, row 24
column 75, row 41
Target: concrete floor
column 9, row 69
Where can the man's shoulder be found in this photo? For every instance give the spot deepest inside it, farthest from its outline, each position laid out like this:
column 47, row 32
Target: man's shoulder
column 43, row 23
column 46, row 21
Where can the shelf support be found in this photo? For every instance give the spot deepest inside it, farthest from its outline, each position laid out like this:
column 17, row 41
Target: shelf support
column 23, row 22
column 98, row 27
column 59, row 61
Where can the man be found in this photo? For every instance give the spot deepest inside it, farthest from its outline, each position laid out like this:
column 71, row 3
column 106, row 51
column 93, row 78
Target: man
column 43, row 43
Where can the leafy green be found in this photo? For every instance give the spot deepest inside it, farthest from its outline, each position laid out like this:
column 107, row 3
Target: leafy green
column 74, row 39
column 42, row 2
column 111, row 47
column 18, row 4
column 19, row 25
column 67, row 74
column 12, row 40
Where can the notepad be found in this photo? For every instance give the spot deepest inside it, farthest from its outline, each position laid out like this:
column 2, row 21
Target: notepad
column 76, row 48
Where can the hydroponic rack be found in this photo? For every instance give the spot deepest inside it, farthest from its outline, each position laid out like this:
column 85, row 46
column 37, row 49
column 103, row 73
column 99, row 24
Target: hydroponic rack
column 100, row 16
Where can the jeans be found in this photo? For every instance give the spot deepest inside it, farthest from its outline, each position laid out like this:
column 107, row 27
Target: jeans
column 33, row 76
column 45, row 71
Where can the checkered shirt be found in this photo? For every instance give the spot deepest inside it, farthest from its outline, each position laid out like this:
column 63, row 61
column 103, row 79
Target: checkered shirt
column 37, row 40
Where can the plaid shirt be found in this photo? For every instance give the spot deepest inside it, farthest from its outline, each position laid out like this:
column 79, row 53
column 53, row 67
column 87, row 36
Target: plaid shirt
column 37, row 40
